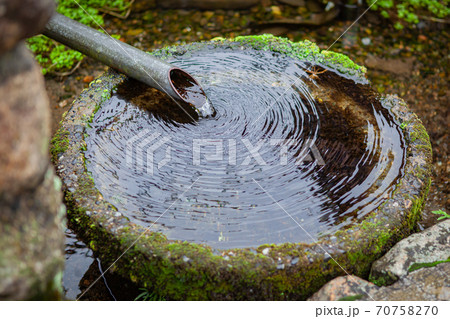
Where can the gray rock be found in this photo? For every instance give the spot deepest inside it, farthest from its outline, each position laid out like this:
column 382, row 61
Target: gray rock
column 32, row 216
column 22, row 19
column 366, row 41
column 429, row 246
column 427, row 284
column 345, row 288
column 24, row 123
column 32, row 243
column 429, row 281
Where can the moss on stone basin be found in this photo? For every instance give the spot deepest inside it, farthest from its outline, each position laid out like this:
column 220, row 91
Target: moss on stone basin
column 189, row 271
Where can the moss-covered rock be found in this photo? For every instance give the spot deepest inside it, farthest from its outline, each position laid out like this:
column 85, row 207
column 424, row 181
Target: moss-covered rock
column 425, row 249
column 32, row 217
column 430, row 284
column 189, row 271
column 303, row 50
column 32, row 240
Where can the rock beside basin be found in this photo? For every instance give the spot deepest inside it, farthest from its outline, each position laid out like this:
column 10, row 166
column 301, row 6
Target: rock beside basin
column 425, row 248
column 32, row 216
column 426, row 284
column 420, row 263
column 22, row 19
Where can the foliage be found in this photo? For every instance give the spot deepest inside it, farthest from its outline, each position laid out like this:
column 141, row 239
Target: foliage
column 147, row 295
column 418, row 266
column 441, row 212
column 54, row 57
column 407, row 11
column 351, row 298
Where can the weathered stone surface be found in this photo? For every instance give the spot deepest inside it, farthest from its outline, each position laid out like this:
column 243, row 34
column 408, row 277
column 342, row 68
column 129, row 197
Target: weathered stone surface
column 423, row 284
column 22, row 19
column 427, row 283
column 350, row 287
column 32, row 242
column 31, row 212
column 24, row 123
column 429, row 246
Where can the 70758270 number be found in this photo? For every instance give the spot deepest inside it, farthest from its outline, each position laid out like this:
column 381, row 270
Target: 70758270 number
column 407, row 310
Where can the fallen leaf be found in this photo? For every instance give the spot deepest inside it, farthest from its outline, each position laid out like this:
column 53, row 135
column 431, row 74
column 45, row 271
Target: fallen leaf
column 88, row 79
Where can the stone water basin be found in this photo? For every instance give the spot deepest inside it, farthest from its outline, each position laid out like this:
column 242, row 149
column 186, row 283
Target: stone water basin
column 304, row 174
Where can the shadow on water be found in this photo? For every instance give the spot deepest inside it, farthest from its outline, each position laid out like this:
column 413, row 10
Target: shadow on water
column 82, row 269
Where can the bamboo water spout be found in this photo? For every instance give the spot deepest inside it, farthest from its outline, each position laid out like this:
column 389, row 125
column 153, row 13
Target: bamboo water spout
column 175, row 82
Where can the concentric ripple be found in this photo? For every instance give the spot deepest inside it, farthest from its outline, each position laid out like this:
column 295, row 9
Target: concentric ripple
column 289, row 156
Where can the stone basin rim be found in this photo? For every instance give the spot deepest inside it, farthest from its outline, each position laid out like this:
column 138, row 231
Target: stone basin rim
column 355, row 248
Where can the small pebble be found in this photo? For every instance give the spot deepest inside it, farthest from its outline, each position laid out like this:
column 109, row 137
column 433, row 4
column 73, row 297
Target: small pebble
column 422, row 38
column 88, row 79
column 265, row 251
column 275, row 10
column 330, row 5
column 366, row 41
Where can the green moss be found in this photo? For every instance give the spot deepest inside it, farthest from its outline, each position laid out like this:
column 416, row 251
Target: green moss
column 409, row 226
column 380, row 282
column 59, row 143
column 403, row 125
column 444, row 215
column 188, row 271
column 28, row 259
column 351, row 298
column 147, row 295
column 86, row 186
column 415, row 214
column 377, row 240
column 407, row 12
column 417, row 266
column 419, row 133
column 304, row 50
